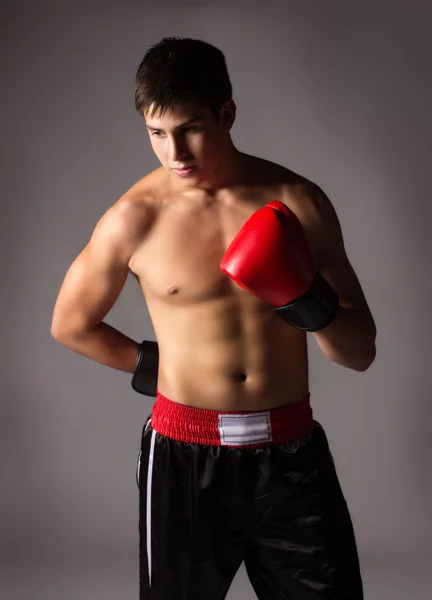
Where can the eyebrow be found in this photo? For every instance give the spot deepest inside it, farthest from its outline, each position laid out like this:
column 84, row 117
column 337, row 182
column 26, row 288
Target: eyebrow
column 189, row 122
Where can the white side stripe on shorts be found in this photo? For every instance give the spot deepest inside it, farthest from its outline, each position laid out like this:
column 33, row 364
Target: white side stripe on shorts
column 149, row 502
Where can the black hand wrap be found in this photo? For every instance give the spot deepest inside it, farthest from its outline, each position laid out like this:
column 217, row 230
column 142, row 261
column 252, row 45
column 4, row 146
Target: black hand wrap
column 313, row 311
column 144, row 380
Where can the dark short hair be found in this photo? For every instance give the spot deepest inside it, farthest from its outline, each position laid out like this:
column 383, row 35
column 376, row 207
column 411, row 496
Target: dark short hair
column 178, row 69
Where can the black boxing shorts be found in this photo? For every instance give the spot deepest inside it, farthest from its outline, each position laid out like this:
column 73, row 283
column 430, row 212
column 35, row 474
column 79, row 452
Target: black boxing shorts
column 220, row 488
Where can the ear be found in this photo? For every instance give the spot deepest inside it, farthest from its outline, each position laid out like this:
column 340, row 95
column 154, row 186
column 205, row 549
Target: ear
column 228, row 114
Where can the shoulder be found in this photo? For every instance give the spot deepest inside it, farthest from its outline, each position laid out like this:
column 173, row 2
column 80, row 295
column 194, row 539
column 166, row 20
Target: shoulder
column 127, row 222
column 295, row 189
column 317, row 214
column 304, row 197
column 138, row 207
column 312, row 201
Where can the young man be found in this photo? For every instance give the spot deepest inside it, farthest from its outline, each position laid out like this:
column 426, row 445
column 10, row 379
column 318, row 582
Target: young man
column 240, row 261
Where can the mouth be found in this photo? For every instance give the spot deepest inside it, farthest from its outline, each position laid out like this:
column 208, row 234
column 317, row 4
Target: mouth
column 184, row 171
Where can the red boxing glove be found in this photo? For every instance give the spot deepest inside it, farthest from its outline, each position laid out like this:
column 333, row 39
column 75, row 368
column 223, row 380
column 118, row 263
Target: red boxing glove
column 270, row 258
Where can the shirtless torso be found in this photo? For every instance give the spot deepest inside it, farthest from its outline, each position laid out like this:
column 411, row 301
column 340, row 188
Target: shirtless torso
column 219, row 346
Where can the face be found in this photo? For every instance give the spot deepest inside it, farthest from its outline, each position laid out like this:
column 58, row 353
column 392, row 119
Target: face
column 189, row 142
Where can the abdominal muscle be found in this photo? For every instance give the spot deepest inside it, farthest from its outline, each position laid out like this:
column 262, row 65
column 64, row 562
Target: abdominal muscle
column 220, row 356
column 220, row 347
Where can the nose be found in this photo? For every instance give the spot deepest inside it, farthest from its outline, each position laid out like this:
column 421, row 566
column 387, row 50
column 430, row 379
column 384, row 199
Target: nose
column 177, row 149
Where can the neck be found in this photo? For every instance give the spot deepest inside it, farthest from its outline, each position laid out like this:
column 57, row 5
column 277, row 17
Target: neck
column 227, row 171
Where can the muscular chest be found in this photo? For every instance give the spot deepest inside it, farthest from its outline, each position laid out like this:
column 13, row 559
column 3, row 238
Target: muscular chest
column 182, row 261
column 179, row 261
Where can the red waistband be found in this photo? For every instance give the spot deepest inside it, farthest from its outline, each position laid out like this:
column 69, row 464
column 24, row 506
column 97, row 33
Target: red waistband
column 235, row 429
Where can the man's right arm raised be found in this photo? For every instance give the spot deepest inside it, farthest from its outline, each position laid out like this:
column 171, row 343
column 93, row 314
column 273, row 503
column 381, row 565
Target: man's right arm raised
column 94, row 282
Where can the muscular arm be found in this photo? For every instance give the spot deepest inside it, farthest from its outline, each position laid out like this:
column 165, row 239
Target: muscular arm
column 349, row 340
column 92, row 285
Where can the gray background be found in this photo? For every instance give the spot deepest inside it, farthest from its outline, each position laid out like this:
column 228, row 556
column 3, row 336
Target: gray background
column 337, row 91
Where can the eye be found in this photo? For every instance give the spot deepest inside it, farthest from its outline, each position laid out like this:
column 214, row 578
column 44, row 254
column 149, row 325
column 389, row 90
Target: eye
column 157, row 133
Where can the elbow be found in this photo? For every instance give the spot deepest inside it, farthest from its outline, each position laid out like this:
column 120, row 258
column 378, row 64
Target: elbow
column 58, row 332
column 59, row 324
column 367, row 360
column 63, row 333
column 55, row 330
column 359, row 362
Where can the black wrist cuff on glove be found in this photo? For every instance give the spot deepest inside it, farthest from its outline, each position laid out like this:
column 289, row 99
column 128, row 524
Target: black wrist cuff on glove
column 144, row 380
column 313, row 311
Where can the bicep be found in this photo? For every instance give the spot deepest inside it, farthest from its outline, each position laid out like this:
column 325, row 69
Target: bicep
column 95, row 279
column 328, row 247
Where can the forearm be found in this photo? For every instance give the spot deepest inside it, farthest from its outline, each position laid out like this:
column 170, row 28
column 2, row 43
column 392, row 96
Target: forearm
column 103, row 344
column 349, row 340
